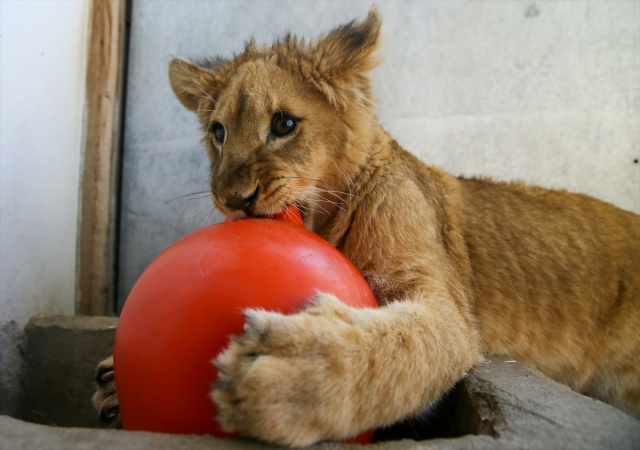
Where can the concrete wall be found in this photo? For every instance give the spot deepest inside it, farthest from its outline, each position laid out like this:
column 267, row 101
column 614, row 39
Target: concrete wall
column 43, row 46
column 547, row 92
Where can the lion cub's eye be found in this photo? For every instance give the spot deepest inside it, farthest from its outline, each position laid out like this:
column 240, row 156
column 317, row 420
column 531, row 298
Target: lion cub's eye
column 218, row 132
column 283, row 124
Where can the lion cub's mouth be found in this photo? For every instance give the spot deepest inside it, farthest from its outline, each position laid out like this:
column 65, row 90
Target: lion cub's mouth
column 301, row 209
column 248, row 213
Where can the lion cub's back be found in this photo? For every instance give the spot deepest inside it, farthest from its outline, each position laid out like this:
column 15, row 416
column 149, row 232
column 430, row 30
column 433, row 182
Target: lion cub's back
column 556, row 277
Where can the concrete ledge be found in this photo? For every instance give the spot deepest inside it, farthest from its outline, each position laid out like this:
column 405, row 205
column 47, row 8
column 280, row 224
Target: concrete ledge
column 61, row 356
column 501, row 404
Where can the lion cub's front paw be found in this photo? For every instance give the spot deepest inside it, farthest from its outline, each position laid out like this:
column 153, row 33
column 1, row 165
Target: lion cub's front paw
column 105, row 399
column 298, row 379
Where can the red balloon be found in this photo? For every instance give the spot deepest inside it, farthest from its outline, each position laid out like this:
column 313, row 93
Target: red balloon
column 189, row 301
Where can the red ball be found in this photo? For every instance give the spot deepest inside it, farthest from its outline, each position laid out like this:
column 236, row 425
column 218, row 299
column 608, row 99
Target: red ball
column 189, row 301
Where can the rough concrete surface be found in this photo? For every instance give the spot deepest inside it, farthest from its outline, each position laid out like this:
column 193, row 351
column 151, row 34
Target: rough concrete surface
column 12, row 344
column 15, row 434
column 528, row 410
column 500, row 405
column 61, row 356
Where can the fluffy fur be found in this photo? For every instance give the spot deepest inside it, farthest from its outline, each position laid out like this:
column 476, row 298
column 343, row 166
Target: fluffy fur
column 460, row 267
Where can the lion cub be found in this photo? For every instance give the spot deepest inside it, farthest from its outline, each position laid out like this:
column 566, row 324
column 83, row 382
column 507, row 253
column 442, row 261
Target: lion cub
column 460, row 267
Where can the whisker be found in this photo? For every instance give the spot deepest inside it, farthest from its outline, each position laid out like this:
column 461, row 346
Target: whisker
column 194, row 218
column 312, row 202
column 321, row 189
column 321, row 181
column 307, row 178
column 319, row 199
column 316, row 208
column 318, row 194
column 214, row 216
column 191, row 196
column 350, row 183
column 287, row 213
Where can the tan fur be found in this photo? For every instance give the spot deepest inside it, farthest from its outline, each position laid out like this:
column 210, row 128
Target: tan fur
column 460, row 267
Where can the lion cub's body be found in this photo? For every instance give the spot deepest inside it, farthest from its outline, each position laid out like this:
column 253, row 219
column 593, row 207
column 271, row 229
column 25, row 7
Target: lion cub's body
column 551, row 278
column 556, row 286
column 460, row 267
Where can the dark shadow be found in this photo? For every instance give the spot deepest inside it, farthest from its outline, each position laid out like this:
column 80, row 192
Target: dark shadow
column 454, row 415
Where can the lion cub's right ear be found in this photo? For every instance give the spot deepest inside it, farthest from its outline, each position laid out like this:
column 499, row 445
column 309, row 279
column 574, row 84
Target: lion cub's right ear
column 191, row 82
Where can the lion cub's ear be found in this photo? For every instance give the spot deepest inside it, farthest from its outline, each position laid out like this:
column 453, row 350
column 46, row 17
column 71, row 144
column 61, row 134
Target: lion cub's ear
column 345, row 55
column 191, row 82
column 350, row 47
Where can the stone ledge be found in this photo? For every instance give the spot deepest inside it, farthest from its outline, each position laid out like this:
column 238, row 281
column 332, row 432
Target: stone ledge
column 60, row 358
column 501, row 404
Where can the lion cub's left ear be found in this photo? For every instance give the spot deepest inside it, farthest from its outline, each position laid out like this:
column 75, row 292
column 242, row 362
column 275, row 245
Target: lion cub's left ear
column 192, row 82
column 345, row 55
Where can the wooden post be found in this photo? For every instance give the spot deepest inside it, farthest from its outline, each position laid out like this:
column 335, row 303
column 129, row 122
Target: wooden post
column 96, row 242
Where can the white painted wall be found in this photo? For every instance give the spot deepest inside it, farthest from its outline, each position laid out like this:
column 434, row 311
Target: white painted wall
column 43, row 47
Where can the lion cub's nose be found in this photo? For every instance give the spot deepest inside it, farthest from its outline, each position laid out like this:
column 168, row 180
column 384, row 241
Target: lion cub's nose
column 240, row 203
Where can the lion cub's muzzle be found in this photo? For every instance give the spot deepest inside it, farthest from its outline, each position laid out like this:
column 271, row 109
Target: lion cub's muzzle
column 238, row 202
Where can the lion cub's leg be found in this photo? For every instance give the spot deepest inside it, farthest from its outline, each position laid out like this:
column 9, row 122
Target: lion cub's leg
column 105, row 399
column 333, row 371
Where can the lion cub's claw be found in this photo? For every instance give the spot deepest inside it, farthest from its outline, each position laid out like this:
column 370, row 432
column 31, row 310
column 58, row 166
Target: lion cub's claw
column 105, row 399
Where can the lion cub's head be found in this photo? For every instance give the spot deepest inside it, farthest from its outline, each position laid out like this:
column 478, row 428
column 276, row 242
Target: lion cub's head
column 284, row 124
